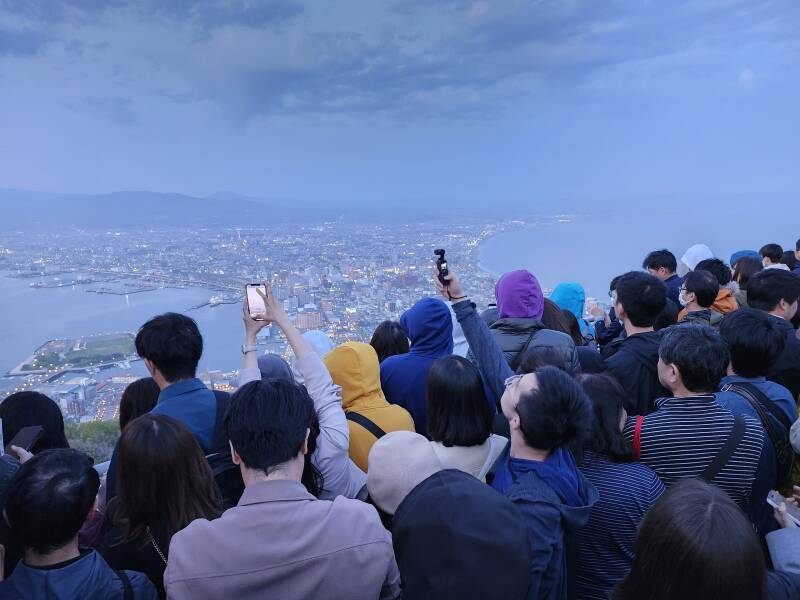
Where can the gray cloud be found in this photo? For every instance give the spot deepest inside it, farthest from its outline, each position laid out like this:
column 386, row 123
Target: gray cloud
column 21, row 42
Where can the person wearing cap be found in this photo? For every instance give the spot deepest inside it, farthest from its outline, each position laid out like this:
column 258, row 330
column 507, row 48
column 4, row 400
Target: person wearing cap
column 454, row 537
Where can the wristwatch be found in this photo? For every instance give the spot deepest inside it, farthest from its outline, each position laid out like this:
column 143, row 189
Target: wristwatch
column 246, row 349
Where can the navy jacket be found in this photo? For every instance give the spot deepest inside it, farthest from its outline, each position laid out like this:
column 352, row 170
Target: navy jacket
column 404, row 377
column 87, row 577
column 673, row 285
column 632, row 361
column 786, row 370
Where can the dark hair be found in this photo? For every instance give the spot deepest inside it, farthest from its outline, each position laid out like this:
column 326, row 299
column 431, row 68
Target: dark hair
column 553, row 318
column 608, row 398
column 164, row 480
column 667, row 317
column 660, row 258
column 754, row 340
column 536, row 357
column 267, row 421
column 700, row 354
column 745, row 268
column 389, row 339
column 789, row 259
column 766, row 289
column 642, row 296
column 138, row 399
column 556, row 413
column 717, row 268
column 50, row 497
column 613, row 285
column 574, row 328
column 704, row 285
column 774, row 252
column 173, row 344
column 25, row 409
column 458, row 411
column 797, row 245
column 684, row 550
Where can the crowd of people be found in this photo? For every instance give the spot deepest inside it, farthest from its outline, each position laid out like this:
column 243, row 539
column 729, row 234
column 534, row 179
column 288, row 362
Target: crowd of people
column 536, row 449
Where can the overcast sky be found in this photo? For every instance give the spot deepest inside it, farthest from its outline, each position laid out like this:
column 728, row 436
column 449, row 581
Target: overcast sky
column 362, row 100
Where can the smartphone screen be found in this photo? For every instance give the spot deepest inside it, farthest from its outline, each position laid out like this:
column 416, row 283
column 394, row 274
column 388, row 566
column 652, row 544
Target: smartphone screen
column 27, row 437
column 255, row 303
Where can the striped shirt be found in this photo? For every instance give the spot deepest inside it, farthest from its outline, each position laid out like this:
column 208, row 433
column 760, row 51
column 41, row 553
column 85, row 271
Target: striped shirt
column 604, row 547
column 684, row 435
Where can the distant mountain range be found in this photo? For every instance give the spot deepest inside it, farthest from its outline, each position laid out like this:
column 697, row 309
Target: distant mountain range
column 23, row 209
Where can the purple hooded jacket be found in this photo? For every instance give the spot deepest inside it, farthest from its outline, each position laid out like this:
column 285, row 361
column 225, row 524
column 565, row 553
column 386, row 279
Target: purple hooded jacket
column 519, row 295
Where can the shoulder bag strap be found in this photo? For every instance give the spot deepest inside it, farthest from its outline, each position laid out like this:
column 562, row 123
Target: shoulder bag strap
column 755, row 395
column 726, row 452
column 366, row 424
column 637, row 437
column 127, row 588
column 518, row 357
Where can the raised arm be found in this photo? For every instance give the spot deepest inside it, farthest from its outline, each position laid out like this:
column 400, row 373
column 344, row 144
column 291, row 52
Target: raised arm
column 491, row 361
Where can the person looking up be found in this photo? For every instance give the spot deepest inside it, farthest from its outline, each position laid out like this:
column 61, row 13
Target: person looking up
column 49, row 500
column 745, row 268
column 777, row 293
column 164, row 483
column 725, row 301
column 639, row 299
column 354, row 368
column 548, row 414
column 403, row 377
column 313, row 549
column 663, row 265
column 389, row 339
column 689, row 434
column 771, row 255
column 330, row 447
column 698, row 292
column 684, row 550
column 626, row 491
column 460, row 418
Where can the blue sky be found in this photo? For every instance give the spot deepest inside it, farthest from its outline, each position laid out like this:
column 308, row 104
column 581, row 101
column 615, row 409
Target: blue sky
column 410, row 100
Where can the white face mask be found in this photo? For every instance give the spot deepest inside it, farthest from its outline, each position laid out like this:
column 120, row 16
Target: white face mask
column 682, row 299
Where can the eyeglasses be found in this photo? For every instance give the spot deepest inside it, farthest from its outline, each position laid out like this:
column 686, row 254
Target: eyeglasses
column 512, row 379
column 682, row 288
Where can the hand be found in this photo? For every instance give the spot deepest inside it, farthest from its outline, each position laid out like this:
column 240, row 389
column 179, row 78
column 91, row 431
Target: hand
column 251, row 326
column 783, row 518
column 596, row 311
column 453, row 290
column 22, row 454
column 274, row 309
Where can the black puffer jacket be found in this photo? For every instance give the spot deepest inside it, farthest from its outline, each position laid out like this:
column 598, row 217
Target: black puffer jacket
column 515, row 335
column 632, row 361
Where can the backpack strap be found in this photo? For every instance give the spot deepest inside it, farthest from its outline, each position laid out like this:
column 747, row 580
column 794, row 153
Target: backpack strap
column 127, row 588
column 366, row 424
column 518, row 358
column 637, row 437
column 726, row 452
column 755, row 396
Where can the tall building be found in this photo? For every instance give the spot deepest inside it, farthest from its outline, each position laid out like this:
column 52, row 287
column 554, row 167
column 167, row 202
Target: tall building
column 309, row 319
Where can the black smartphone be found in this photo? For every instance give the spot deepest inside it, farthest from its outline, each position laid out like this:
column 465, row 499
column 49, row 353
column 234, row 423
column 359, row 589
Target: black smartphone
column 441, row 266
column 255, row 303
column 26, row 438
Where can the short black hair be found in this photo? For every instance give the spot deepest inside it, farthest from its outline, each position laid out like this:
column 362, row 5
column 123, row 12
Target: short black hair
column 797, row 245
column 556, row 413
column 717, row 268
column 767, row 288
column 701, row 520
column 700, row 354
column 642, row 296
column 704, row 285
column 50, row 497
column 774, row 252
column 389, row 339
column 172, row 342
column 25, row 409
column 660, row 258
column 458, row 412
column 755, row 341
column 789, row 259
column 613, row 285
column 608, row 399
column 266, row 422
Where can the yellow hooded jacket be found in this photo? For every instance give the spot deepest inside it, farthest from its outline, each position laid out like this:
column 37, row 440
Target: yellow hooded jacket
column 354, row 367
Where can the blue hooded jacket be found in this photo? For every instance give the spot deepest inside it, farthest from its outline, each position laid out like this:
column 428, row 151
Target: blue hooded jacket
column 572, row 297
column 404, row 377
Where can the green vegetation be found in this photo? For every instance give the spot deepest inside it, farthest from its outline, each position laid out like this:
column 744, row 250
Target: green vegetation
column 93, row 350
column 97, row 438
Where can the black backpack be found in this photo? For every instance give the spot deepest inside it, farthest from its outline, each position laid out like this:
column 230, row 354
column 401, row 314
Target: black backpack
column 778, row 435
column 227, row 475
